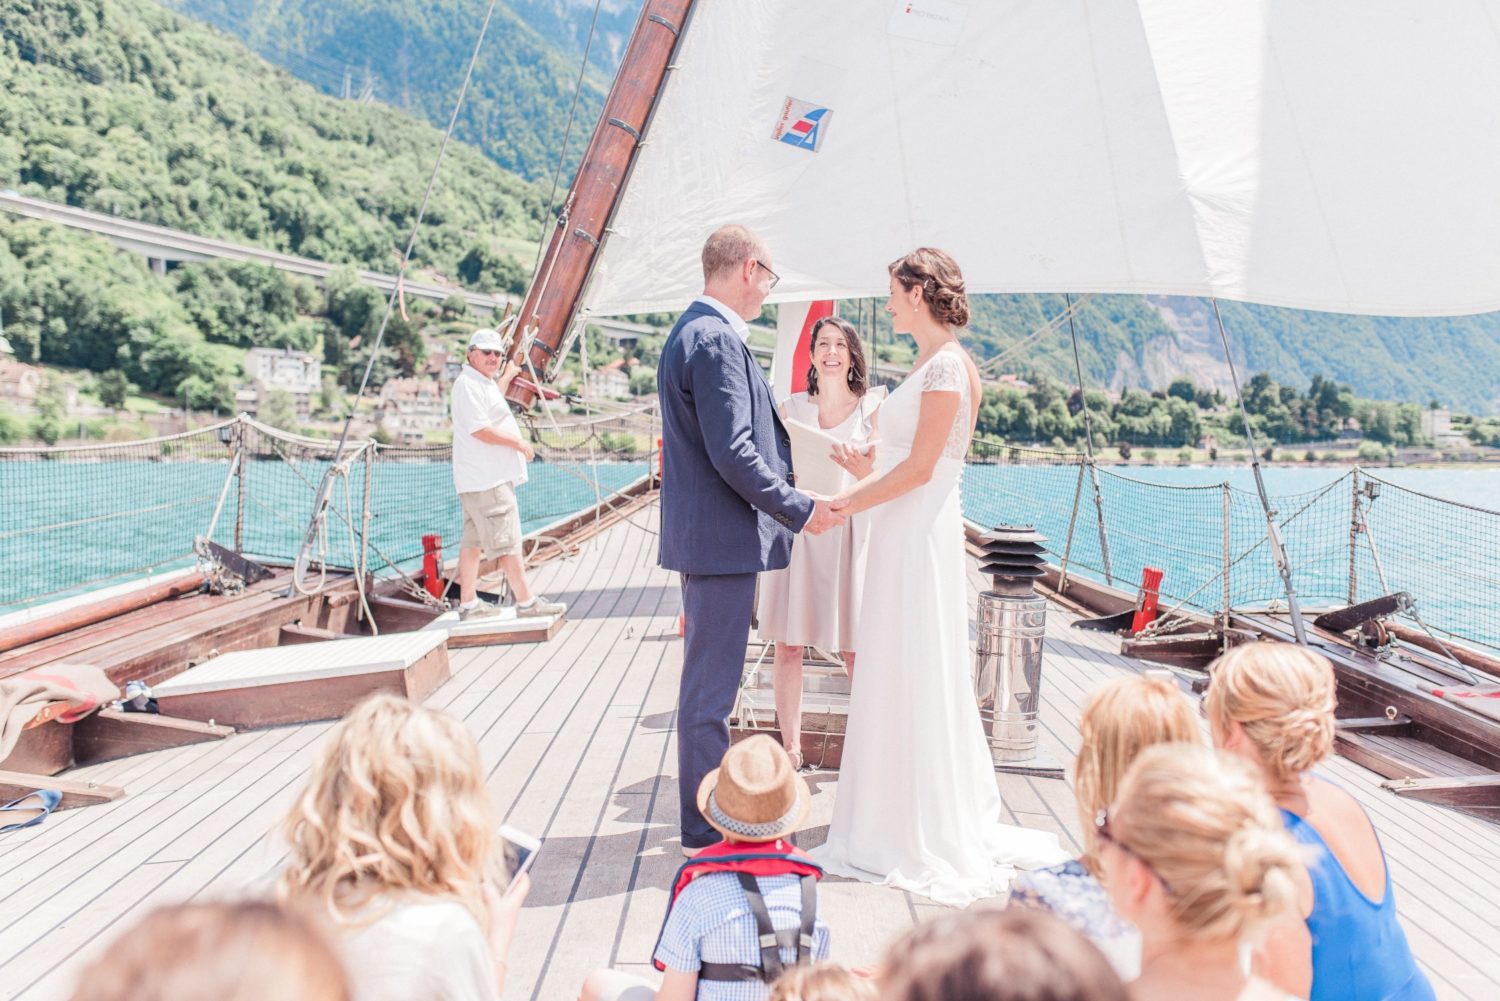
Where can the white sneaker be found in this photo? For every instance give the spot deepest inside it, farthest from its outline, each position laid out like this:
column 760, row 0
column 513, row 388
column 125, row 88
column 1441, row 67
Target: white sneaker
column 478, row 610
column 540, row 606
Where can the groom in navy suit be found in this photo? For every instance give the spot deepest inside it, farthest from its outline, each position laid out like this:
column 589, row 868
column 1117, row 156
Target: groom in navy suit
column 728, row 506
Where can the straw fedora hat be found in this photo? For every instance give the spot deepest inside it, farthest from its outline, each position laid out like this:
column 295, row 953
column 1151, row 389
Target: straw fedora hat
column 754, row 794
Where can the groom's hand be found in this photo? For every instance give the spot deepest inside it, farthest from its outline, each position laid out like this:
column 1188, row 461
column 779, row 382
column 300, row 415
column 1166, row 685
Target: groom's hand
column 823, row 517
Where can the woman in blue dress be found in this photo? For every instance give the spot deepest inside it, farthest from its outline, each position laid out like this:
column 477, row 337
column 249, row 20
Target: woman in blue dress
column 1272, row 704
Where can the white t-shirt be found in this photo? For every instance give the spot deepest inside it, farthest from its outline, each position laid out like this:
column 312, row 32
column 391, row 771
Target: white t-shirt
column 419, row 950
column 477, row 403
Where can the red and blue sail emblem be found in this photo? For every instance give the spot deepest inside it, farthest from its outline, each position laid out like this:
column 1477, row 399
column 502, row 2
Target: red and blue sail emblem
column 802, row 124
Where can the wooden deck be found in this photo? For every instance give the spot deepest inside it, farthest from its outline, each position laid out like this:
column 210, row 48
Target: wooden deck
column 578, row 737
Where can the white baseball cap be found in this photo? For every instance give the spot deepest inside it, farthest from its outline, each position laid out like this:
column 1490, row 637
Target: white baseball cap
column 486, row 339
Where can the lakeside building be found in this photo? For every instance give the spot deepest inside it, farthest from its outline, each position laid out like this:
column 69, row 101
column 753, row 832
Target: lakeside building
column 296, row 373
column 410, row 408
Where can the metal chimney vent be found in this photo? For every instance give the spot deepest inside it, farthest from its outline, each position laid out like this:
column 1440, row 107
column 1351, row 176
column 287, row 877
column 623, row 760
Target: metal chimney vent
column 1013, row 557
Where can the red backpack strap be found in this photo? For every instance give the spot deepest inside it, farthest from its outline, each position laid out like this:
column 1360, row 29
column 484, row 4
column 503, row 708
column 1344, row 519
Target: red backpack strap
column 782, row 859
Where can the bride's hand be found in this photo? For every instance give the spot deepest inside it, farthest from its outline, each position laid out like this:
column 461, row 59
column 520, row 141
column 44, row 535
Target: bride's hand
column 840, row 504
column 858, row 463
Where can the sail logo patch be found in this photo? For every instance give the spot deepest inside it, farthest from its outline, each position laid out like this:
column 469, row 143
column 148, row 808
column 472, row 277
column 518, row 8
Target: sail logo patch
column 802, row 124
column 939, row 22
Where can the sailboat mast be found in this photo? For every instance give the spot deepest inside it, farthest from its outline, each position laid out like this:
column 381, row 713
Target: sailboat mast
column 557, row 289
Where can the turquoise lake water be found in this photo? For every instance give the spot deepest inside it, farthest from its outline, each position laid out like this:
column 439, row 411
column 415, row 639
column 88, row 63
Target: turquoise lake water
column 63, row 524
column 66, row 524
column 1447, row 555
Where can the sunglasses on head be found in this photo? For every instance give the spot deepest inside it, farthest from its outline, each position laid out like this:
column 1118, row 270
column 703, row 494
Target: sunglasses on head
column 1101, row 828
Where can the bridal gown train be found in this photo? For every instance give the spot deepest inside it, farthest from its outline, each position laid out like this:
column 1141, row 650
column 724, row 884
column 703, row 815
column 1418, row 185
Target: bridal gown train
column 917, row 805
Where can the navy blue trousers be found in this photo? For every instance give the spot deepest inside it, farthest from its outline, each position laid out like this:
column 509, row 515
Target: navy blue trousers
column 718, row 609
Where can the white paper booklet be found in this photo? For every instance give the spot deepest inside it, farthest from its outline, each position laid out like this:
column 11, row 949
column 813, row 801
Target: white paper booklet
column 812, row 460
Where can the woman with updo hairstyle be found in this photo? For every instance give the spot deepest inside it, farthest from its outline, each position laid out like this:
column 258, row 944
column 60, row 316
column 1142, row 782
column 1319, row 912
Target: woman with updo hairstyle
column 917, row 805
column 1272, row 704
column 811, row 602
column 393, row 843
column 993, row 955
column 1195, row 856
column 1120, row 719
column 941, row 282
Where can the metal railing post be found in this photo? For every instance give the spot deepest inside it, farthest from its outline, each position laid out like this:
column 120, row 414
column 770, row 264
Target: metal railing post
column 364, row 518
column 1227, row 497
column 1062, row 577
column 241, row 429
column 1354, row 537
column 1109, row 576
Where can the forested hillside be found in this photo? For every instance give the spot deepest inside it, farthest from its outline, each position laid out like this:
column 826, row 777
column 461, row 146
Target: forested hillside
column 411, row 55
column 123, row 106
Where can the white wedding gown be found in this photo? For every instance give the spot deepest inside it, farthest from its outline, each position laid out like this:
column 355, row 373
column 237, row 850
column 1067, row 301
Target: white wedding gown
column 917, row 805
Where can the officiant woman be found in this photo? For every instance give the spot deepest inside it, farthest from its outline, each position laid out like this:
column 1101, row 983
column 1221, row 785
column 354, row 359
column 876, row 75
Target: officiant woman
column 814, row 600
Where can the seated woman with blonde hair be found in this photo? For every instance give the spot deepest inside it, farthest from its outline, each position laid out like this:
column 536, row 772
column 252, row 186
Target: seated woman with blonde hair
column 1272, row 704
column 1194, row 855
column 1121, row 718
column 247, row 951
column 394, row 842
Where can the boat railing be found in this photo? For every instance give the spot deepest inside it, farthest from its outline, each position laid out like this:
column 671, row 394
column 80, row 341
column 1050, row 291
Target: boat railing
column 78, row 517
column 1353, row 539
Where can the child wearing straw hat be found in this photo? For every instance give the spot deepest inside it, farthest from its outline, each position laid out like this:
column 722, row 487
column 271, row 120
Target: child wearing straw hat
column 744, row 909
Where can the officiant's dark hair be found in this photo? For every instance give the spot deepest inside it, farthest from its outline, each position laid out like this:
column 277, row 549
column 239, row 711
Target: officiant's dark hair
column 859, row 379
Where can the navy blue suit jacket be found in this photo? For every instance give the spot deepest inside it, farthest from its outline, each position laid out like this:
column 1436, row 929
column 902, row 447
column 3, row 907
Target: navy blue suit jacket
column 727, row 502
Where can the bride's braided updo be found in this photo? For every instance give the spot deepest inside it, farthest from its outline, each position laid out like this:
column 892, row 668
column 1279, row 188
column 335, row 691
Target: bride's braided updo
column 941, row 282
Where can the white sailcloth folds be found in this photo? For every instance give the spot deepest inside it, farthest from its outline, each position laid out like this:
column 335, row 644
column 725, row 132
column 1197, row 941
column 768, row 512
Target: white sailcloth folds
column 1336, row 155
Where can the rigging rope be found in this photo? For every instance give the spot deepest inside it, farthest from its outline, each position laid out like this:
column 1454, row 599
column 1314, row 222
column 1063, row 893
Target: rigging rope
column 562, row 153
column 321, row 501
column 1273, row 534
column 993, row 364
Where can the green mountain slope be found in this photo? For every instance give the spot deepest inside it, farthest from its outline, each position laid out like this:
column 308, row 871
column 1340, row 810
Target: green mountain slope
column 412, row 55
column 122, row 106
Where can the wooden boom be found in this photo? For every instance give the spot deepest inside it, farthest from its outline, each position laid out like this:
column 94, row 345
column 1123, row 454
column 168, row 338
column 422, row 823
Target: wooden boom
column 557, row 290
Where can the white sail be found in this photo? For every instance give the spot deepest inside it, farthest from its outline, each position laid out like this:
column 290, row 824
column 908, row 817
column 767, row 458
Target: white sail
column 1324, row 154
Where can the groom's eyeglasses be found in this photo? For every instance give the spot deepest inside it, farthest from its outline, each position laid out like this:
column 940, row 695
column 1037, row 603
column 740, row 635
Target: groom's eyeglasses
column 774, row 276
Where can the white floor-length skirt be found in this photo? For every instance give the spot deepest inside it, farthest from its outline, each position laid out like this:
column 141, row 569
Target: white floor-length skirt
column 917, row 805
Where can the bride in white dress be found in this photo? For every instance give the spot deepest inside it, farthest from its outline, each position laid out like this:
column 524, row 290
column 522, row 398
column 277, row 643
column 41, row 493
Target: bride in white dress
column 917, row 804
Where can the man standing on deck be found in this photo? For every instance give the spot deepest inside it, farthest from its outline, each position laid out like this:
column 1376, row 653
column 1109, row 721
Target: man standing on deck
column 489, row 462
column 728, row 506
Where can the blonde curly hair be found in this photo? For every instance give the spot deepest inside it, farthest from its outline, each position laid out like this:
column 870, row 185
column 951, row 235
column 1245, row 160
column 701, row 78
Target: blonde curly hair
column 1282, row 696
column 1203, row 823
column 397, row 803
column 1121, row 718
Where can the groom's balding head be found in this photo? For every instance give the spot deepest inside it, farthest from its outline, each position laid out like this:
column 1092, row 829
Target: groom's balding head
column 729, row 248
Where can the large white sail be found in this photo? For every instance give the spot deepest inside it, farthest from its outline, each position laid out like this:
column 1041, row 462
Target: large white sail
column 1324, row 154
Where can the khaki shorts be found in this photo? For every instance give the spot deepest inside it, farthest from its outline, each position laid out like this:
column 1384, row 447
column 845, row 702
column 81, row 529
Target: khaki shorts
column 492, row 521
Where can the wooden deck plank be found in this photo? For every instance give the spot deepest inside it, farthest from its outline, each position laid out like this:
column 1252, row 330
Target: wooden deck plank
column 578, row 736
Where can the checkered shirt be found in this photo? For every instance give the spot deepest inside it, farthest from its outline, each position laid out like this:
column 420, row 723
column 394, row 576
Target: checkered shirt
column 711, row 922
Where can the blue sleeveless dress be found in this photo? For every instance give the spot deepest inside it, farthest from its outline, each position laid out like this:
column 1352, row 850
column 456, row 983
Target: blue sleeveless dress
column 1359, row 952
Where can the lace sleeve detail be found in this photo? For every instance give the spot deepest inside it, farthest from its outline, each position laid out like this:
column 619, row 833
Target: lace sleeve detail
column 945, row 373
